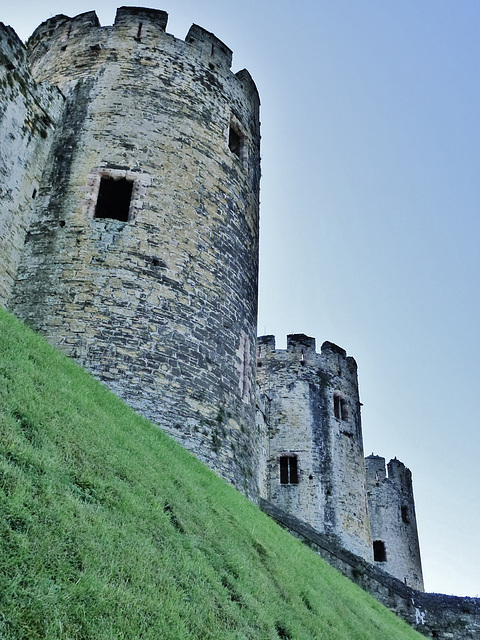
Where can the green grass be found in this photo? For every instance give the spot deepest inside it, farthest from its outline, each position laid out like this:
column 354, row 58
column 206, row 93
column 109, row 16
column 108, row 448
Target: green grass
column 109, row 529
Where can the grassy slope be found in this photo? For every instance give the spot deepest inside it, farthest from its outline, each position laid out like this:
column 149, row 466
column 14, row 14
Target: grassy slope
column 108, row 529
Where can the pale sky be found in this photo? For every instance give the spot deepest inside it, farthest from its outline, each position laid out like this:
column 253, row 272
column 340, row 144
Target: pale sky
column 370, row 202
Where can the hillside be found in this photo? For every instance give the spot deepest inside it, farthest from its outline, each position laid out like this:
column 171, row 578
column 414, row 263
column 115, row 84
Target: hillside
column 110, row 530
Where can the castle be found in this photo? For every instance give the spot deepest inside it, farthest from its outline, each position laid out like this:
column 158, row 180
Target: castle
column 130, row 166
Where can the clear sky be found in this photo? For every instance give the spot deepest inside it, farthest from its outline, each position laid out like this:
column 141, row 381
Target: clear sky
column 370, row 202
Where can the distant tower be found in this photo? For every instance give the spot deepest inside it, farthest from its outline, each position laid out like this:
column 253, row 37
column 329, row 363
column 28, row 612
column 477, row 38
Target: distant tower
column 141, row 261
column 394, row 525
column 315, row 460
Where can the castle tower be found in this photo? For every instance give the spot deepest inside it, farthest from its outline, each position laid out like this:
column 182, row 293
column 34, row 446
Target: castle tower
column 393, row 521
column 315, row 461
column 141, row 260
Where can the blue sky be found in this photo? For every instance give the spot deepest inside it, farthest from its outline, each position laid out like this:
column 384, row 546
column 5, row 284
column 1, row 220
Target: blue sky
column 370, row 226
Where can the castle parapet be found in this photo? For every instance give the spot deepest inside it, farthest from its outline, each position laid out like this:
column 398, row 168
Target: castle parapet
column 375, row 469
column 400, row 474
column 210, row 46
column 138, row 16
column 265, row 344
column 300, row 343
column 333, row 348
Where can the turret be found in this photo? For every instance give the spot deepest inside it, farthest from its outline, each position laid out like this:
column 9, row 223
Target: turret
column 391, row 507
column 315, row 465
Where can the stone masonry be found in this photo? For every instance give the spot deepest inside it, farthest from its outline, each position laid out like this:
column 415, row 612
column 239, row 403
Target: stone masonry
column 28, row 118
column 311, row 409
column 129, row 222
column 157, row 298
column 312, row 414
column 391, row 506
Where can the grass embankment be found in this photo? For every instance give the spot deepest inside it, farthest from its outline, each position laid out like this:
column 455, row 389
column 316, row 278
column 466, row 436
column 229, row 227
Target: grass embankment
column 110, row 530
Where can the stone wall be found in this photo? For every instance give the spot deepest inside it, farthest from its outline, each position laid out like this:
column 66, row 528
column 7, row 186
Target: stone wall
column 312, row 414
column 391, row 506
column 160, row 305
column 433, row 615
column 28, row 115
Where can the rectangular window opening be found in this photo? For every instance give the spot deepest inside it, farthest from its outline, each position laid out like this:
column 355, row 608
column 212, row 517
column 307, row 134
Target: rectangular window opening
column 339, row 407
column 379, row 551
column 235, row 142
column 288, row 470
column 405, row 516
column 114, row 198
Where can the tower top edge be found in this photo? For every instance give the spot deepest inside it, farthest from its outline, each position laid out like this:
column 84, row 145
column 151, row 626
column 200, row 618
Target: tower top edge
column 305, row 343
column 204, row 41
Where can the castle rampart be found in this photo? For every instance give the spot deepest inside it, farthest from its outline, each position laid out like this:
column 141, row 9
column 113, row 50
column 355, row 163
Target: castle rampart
column 141, row 258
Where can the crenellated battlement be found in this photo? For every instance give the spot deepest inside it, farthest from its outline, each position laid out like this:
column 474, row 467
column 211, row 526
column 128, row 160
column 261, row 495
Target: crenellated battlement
column 302, row 349
column 141, row 18
column 394, row 472
column 213, row 50
column 136, row 30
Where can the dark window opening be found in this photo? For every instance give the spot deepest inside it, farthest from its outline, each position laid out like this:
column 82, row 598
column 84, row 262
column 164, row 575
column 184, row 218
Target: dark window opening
column 405, row 516
column 139, row 32
column 34, row 194
column 114, row 199
column 288, row 470
column 235, row 141
column 339, row 407
column 379, row 551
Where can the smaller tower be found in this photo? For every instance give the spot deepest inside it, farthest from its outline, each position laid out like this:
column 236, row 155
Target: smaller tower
column 393, row 522
column 315, row 464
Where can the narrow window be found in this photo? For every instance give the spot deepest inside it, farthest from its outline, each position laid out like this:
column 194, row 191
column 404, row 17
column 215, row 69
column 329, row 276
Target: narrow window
column 114, row 198
column 379, row 552
column 288, row 470
column 235, row 141
column 405, row 516
column 339, row 407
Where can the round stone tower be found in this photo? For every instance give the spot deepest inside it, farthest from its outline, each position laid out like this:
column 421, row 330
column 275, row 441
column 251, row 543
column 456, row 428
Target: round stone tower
column 142, row 258
column 315, row 460
column 394, row 524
